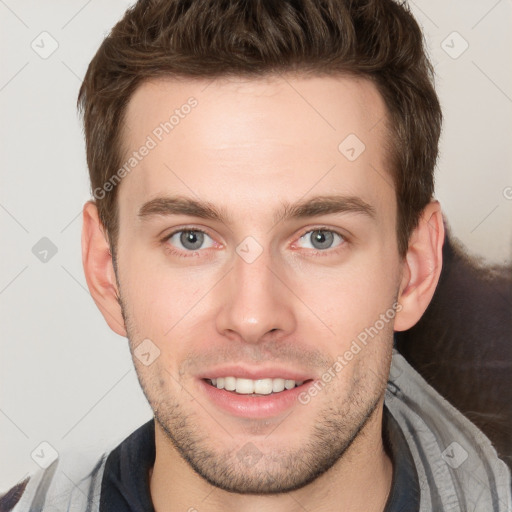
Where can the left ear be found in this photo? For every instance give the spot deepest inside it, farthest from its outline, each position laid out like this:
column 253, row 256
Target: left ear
column 422, row 267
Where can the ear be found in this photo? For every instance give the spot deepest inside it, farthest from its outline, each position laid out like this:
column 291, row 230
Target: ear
column 99, row 269
column 422, row 267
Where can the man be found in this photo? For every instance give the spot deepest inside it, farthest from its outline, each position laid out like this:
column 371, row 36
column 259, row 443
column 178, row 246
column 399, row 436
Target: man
column 263, row 221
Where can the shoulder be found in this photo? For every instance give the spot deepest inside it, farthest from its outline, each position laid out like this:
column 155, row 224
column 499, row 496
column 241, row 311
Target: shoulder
column 457, row 464
column 70, row 482
column 10, row 498
column 75, row 479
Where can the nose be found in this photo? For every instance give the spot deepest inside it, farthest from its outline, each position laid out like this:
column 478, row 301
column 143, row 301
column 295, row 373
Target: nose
column 256, row 302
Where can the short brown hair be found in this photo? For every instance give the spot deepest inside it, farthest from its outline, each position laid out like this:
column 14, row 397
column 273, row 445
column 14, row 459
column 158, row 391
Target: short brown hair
column 375, row 39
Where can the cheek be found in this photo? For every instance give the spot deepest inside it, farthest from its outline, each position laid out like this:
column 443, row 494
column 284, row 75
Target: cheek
column 156, row 295
column 159, row 382
column 351, row 297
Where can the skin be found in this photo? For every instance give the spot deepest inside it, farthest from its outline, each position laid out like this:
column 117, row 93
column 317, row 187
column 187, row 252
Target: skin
column 249, row 147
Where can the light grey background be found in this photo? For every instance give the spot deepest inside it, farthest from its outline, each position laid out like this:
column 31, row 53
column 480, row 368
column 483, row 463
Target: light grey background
column 65, row 378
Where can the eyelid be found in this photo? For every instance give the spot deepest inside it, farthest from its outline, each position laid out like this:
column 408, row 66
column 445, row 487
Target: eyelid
column 321, row 228
column 185, row 228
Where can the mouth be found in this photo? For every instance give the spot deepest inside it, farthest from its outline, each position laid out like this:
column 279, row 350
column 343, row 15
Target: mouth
column 255, row 387
column 253, row 398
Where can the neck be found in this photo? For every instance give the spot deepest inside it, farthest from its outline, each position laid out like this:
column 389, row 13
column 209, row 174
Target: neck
column 360, row 481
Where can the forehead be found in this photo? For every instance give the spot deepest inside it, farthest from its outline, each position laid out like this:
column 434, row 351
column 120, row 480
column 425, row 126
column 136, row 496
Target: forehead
column 245, row 137
column 308, row 107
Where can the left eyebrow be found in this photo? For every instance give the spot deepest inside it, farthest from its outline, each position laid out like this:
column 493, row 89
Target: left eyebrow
column 316, row 206
column 325, row 205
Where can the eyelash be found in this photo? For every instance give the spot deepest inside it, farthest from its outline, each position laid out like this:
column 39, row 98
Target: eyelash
column 317, row 253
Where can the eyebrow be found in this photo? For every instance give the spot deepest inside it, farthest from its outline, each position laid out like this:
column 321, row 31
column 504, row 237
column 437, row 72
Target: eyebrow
column 316, row 206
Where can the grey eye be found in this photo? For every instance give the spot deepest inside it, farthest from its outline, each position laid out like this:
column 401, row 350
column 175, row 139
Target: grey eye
column 190, row 240
column 321, row 239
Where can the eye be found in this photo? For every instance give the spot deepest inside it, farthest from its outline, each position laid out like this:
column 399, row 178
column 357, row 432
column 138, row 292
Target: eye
column 321, row 239
column 190, row 240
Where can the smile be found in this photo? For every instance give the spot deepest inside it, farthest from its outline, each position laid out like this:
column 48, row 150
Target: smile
column 253, row 398
column 256, row 387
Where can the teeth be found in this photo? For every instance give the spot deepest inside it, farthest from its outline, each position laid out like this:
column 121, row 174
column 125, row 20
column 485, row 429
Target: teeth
column 277, row 385
column 258, row 387
column 289, row 384
column 230, row 383
column 263, row 386
column 245, row 386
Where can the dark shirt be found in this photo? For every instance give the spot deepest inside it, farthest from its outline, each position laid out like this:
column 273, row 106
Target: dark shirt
column 125, row 484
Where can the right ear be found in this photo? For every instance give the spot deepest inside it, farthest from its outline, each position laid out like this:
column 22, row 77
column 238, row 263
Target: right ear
column 99, row 269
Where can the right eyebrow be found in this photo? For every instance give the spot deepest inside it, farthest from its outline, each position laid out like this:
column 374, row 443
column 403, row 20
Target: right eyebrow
column 176, row 205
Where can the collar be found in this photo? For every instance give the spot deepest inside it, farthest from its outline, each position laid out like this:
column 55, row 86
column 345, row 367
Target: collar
column 125, row 484
column 405, row 487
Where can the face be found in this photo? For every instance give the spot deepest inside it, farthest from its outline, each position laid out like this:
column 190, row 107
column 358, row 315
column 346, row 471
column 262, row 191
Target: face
column 257, row 250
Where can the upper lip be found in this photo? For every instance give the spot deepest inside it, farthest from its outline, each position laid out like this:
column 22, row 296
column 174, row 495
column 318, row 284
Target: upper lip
column 255, row 373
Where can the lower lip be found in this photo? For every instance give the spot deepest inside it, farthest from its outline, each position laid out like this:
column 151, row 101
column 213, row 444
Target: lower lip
column 250, row 406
